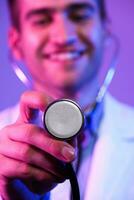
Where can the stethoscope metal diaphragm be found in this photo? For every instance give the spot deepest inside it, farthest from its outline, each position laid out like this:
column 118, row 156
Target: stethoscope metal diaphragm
column 63, row 119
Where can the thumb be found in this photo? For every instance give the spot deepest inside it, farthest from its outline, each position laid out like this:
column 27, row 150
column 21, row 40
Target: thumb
column 30, row 103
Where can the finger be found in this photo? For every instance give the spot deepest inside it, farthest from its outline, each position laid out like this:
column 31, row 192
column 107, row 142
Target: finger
column 31, row 101
column 16, row 169
column 73, row 142
column 37, row 137
column 30, row 155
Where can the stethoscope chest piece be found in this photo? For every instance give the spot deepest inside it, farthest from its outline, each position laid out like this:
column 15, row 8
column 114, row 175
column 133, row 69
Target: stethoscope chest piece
column 63, row 119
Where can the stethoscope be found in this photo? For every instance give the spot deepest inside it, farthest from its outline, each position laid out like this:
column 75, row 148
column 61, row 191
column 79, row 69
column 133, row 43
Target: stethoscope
column 64, row 119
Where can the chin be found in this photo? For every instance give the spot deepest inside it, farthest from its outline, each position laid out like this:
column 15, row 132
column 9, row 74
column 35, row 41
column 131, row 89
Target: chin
column 74, row 85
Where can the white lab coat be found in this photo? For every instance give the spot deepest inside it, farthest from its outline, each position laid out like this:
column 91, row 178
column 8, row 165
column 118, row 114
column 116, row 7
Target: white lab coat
column 108, row 173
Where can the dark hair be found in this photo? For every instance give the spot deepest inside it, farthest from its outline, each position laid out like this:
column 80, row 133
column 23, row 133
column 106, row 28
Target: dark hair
column 12, row 5
column 14, row 11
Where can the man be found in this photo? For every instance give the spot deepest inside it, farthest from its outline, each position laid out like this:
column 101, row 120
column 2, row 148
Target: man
column 62, row 43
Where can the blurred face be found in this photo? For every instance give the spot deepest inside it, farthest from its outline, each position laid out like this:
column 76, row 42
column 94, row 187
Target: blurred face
column 60, row 41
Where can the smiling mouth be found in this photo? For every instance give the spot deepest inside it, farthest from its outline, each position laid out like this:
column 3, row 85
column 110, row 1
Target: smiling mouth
column 65, row 56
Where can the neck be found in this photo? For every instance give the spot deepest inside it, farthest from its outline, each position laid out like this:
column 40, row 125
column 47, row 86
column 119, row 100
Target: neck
column 85, row 96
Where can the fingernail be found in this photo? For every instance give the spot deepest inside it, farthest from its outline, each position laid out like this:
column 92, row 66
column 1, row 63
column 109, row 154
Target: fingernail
column 68, row 153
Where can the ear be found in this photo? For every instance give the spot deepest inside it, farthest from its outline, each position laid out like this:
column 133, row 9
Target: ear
column 107, row 33
column 14, row 41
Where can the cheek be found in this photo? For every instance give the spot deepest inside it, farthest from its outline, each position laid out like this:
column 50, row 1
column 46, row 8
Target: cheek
column 29, row 47
column 29, row 41
column 92, row 35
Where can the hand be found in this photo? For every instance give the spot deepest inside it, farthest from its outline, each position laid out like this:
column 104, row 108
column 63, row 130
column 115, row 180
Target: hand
column 29, row 153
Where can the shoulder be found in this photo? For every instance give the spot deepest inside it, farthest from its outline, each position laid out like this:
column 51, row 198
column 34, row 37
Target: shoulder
column 9, row 115
column 119, row 110
column 119, row 115
column 122, row 110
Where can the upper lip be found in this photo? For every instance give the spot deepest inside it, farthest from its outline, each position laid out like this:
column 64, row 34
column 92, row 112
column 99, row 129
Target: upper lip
column 80, row 51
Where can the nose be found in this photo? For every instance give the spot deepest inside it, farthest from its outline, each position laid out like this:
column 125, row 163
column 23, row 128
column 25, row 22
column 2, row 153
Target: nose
column 63, row 32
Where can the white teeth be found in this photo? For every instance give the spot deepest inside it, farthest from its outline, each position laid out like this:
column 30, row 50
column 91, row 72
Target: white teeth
column 64, row 56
